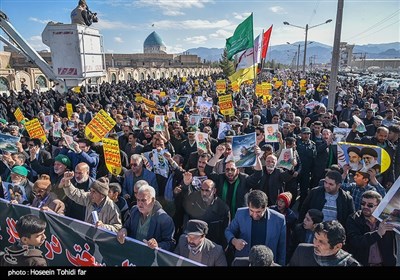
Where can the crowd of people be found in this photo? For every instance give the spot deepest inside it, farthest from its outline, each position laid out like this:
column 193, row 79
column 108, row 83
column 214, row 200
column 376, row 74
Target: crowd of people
column 202, row 205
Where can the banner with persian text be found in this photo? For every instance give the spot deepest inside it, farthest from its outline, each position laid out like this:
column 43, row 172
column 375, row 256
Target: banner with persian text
column 74, row 243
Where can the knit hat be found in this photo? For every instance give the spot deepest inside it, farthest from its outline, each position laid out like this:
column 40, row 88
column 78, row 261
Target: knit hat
column 100, row 187
column 20, row 170
column 286, row 197
column 64, row 160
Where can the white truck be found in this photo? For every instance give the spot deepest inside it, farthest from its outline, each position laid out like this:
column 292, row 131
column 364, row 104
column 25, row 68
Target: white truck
column 77, row 53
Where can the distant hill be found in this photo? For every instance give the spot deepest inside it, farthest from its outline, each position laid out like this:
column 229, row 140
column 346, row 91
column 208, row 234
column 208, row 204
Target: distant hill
column 287, row 53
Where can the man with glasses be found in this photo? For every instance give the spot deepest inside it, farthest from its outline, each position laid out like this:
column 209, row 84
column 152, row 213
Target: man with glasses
column 370, row 241
column 136, row 173
column 233, row 186
column 148, row 222
column 206, row 206
column 44, row 198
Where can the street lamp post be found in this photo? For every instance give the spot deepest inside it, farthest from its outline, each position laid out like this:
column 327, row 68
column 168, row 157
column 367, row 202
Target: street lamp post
column 298, row 53
column 305, row 41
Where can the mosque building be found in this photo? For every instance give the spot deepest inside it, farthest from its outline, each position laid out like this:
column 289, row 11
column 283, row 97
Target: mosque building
column 154, row 63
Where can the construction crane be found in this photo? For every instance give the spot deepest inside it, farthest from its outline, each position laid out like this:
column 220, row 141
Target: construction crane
column 77, row 53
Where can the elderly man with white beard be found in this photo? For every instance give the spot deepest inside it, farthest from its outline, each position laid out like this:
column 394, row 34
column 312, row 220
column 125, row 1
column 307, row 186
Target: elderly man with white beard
column 81, row 181
column 274, row 179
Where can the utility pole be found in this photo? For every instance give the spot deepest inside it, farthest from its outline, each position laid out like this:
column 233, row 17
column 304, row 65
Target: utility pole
column 335, row 56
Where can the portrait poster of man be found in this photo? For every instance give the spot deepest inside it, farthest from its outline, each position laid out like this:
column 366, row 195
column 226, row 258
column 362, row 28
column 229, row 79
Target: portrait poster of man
column 243, row 150
column 363, row 157
column 205, row 108
column 181, row 103
column 160, row 164
column 194, row 120
column 159, row 123
column 201, row 140
column 285, row 159
column 171, row 116
column 389, row 208
column 222, row 129
column 340, row 134
column 271, row 133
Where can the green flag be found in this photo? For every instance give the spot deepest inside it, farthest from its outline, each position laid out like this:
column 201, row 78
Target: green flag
column 242, row 38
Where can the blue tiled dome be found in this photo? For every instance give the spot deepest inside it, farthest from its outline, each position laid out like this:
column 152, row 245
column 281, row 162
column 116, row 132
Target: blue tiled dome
column 153, row 40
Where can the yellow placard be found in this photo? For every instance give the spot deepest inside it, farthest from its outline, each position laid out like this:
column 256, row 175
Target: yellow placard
column 99, row 126
column 162, row 93
column 259, row 90
column 112, row 155
column 35, row 130
column 220, row 86
column 303, row 83
column 235, row 86
column 19, row 115
column 289, row 83
column 226, row 105
column 184, row 79
column 278, row 84
column 68, row 106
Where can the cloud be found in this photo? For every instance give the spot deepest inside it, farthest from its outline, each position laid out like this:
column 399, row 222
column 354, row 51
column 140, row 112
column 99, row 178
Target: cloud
column 278, row 10
column 43, row 21
column 241, row 16
column 220, row 34
column 36, row 43
column 118, row 39
column 175, row 49
column 196, row 39
column 192, row 24
column 105, row 24
column 173, row 8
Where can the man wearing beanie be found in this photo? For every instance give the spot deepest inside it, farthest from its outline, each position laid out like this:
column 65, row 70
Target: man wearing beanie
column 56, row 172
column 18, row 176
column 96, row 201
column 282, row 206
column 46, row 200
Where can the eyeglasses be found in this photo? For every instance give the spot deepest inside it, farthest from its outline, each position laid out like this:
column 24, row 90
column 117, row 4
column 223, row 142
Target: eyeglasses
column 369, row 205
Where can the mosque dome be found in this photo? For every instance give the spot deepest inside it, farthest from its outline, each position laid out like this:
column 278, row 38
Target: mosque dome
column 153, row 40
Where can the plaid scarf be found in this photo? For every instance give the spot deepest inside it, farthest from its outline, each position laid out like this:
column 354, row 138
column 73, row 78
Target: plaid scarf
column 339, row 259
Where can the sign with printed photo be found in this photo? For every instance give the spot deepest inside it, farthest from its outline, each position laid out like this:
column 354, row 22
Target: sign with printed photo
column 271, row 133
column 57, row 129
column 159, row 123
column 360, row 125
column 243, row 150
column 201, row 140
column 180, row 105
column 340, row 134
column 205, row 108
column 222, row 129
column 8, row 143
column 171, row 117
column 285, row 159
column 389, row 208
column 160, row 163
column 363, row 157
column 194, row 120
column 48, row 119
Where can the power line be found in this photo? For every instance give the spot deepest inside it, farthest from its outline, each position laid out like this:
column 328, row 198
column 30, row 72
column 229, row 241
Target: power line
column 380, row 29
column 314, row 11
column 374, row 25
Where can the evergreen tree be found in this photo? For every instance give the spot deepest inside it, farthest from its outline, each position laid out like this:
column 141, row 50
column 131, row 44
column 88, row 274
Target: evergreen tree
column 227, row 66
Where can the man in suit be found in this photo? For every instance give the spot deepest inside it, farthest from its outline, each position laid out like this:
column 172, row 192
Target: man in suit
column 258, row 225
column 195, row 246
